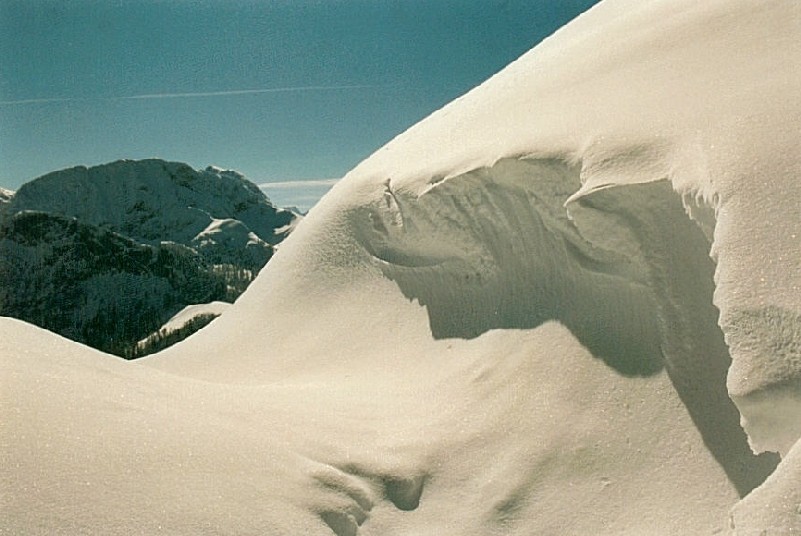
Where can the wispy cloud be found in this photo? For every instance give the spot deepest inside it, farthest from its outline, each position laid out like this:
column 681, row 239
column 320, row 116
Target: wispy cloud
column 189, row 95
column 299, row 184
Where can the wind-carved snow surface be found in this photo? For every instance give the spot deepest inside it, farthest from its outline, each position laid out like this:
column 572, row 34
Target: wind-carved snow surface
column 528, row 314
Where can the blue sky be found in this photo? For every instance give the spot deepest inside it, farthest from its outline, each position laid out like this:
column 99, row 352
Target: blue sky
column 281, row 90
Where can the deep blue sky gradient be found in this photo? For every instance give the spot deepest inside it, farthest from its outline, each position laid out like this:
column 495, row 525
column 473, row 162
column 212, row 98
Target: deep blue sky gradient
column 68, row 70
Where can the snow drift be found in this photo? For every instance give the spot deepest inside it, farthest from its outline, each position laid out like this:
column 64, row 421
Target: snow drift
column 506, row 321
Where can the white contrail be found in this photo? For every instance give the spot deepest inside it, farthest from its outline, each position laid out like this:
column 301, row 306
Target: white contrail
column 299, row 183
column 290, row 89
column 37, row 101
column 190, row 95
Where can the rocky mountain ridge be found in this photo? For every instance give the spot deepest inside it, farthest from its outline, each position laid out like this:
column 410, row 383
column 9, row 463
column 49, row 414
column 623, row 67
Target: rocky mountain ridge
column 105, row 255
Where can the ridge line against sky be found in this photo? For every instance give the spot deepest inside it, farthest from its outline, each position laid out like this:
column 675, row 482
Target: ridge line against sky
column 198, row 94
column 299, row 182
column 301, row 194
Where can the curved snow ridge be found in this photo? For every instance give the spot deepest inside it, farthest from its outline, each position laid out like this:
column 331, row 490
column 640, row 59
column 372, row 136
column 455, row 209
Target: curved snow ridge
column 623, row 74
column 668, row 101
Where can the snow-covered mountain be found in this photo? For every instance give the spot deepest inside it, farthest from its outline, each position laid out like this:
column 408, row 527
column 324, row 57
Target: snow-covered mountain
column 505, row 322
column 106, row 255
column 154, row 201
column 5, row 197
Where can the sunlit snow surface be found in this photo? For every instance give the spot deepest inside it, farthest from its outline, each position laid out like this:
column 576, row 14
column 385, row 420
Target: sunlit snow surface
column 475, row 334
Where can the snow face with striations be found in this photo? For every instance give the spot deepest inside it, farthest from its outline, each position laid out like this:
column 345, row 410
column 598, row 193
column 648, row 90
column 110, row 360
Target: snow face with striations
column 506, row 321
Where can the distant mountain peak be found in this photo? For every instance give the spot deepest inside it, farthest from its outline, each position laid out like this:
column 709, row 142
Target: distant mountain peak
column 90, row 246
column 151, row 200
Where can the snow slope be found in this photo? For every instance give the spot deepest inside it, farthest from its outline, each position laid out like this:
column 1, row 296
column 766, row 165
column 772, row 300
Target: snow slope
column 186, row 320
column 191, row 311
column 503, row 322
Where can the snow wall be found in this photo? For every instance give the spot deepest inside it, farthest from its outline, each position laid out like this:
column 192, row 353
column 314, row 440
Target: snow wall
column 567, row 303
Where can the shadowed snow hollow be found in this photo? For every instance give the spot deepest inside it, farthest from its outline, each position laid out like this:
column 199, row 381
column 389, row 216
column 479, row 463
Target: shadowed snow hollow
column 506, row 321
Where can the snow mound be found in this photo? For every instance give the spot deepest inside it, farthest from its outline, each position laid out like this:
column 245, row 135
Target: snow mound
column 190, row 311
column 506, row 321
column 6, row 195
column 227, row 238
column 187, row 320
